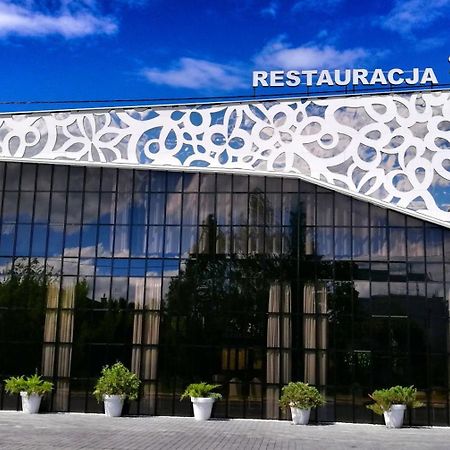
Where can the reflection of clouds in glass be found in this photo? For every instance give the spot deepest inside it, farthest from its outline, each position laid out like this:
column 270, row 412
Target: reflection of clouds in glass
column 353, row 117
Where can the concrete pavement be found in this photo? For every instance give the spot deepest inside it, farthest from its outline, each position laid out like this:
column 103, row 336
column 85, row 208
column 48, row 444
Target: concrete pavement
column 93, row 431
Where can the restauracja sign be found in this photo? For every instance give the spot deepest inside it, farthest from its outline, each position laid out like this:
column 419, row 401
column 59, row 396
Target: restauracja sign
column 293, row 78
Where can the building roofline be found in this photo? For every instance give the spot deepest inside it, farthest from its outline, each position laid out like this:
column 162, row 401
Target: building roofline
column 186, row 102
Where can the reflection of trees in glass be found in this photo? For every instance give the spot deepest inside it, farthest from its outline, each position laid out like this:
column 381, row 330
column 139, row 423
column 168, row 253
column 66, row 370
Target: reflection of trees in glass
column 217, row 301
column 23, row 298
column 108, row 321
column 220, row 300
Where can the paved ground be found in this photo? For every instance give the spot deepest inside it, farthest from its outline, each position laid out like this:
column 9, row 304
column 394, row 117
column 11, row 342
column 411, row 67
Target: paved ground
column 93, row 431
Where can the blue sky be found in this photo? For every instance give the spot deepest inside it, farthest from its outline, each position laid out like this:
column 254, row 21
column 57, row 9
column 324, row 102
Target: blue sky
column 92, row 49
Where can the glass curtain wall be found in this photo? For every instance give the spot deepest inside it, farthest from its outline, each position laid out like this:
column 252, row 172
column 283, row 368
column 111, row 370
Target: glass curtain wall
column 248, row 282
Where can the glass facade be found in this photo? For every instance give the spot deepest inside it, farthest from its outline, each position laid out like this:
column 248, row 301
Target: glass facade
column 249, row 282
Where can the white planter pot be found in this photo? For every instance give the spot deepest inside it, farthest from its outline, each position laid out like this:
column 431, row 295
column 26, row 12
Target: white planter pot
column 113, row 405
column 202, row 407
column 30, row 403
column 394, row 417
column 300, row 416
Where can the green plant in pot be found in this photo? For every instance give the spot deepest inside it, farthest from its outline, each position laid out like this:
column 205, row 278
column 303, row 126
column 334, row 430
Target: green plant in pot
column 116, row 384
column 300, row 398
column 392, row 402
column 31, row 390
column 202, row 398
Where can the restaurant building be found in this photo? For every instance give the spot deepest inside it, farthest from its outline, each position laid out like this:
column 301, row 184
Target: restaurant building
column 243, row 243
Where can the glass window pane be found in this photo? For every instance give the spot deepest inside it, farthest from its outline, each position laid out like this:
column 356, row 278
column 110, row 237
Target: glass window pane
column 173, row 209
column 122, row 241
column 190, row 211
column 397, row 243
column 138, row 241
column 28, row 177
column 158, row 181
column 7, row 239
column 12, row 176
column 223, row 183
column 174, row 182
column 308, row 208
column 123, row 209
column 273, row 184
column 273, row 209
column 90, row 209
column 415, row 243
column 325, row 242
column 10, row 206
column 72, row 240
column 172, row 242
column 107, row 207
column 125, row 183
column 58, row 207
column 206, row 209
column 139, row 214
column 74, row 207
column 272, row 240
column 76, row 178
column 43, row 200
column 44, row 177
column 93, row 175
column 342, row 210
column 55, row 240
column 240, row 209
column 223, row 209
column 360, row 243
column 155, row 241
column 189, row 245
column 325, row 209
column 141, row 181
column 343, row 243
column 190, row 181
column 240, row 183
column 88, row 240
column 360, row 213
column 23, row 240
column 157, row 208
column 26, row 203
column 109, row 180
column 60, row 174
column 378, row 243
column 39, row 242
column 378, row 216
column 434, row 247
column 207, row 182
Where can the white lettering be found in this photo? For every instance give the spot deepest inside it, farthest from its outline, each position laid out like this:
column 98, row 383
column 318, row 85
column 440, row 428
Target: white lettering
column 260, row 76
column 277, row 78
column 360, row 75
column 429, row 76
column 342, row 77
column 309, row 76
column 293, row 78
column 378, row 77
column 414, row 78
column 346, row 80
column 391, row 75
column 324, row 78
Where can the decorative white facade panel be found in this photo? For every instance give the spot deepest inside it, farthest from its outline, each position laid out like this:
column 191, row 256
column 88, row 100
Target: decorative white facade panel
column 392, row 148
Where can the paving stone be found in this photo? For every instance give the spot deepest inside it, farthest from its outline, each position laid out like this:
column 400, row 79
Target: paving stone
column 93, row 431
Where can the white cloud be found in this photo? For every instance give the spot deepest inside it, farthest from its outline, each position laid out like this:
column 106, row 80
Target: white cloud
column 66, row 18
column 271, row 9
column 308, row 5
column 194, row 73
column 282, row 55
column 414, row 14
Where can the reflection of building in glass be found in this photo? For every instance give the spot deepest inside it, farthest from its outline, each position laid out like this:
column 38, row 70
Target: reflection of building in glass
column 247, row 281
